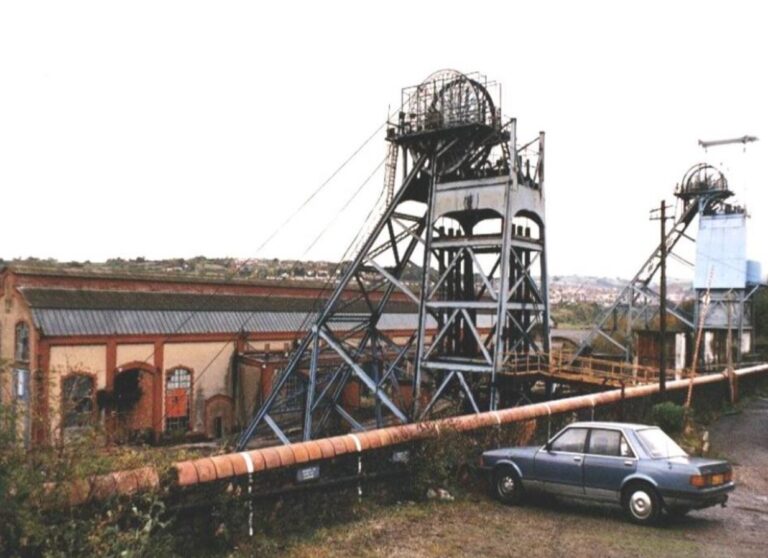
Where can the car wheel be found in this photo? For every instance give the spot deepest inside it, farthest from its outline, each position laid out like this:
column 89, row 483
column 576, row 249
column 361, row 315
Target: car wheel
column 507, row 487
column 642, row 503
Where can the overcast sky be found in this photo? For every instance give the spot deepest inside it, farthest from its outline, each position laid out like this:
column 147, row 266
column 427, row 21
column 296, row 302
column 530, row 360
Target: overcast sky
column 163, row 129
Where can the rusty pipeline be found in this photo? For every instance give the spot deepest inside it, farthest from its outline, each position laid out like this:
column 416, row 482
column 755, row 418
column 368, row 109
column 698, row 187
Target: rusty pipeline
column 228, row 466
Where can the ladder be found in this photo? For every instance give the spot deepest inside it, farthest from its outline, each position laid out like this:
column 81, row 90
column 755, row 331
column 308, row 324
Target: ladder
column 390, row 171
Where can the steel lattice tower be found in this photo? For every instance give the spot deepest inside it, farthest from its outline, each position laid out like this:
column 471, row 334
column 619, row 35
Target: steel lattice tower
column 458, row 253
column 703, row 191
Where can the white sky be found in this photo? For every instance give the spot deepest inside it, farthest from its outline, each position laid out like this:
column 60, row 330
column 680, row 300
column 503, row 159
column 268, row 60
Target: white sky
column 164, row 129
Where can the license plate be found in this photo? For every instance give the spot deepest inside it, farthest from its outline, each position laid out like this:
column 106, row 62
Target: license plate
column 718, row 479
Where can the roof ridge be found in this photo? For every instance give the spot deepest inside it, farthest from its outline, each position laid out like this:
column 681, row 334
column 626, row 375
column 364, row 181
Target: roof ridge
column 104, row 299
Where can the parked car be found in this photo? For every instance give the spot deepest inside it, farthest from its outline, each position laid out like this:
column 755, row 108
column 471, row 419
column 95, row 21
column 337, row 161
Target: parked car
column 636, row 466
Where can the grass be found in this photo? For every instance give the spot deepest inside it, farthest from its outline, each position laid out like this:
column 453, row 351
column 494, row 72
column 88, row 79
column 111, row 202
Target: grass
column 479, row 526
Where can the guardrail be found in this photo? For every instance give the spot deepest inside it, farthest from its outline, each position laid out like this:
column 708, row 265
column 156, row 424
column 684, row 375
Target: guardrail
column 593, row 370
column 621, row 372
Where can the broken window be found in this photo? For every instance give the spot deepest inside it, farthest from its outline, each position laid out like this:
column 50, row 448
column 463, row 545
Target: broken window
column 77, row 397
column 22, row 342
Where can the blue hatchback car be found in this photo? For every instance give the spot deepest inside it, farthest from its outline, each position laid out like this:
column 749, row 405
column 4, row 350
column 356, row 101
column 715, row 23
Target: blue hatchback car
column 636, row 466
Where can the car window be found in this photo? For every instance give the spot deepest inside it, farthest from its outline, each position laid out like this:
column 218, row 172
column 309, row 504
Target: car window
column 658, row 444
column 608, row 442
column 624, row 448
column 571, row 440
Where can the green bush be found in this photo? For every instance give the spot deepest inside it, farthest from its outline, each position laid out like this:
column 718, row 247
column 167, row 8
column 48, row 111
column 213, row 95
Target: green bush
column 37, row 520
column 668, row 416
column 448, row 460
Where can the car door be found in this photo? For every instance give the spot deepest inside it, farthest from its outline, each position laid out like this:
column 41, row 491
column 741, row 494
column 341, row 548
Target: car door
column 559, row 467
column 608, row 460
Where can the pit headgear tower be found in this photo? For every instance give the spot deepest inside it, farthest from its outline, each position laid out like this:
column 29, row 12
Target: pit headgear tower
column 457, row 258
column 724, row 280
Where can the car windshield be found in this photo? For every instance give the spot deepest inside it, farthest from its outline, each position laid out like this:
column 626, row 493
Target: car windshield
column 659, row 445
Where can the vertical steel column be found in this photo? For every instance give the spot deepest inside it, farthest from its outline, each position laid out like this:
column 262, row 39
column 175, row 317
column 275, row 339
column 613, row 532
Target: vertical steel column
column 470, row 344
column 525, row 291
column 504, row 263
column 520, row 276
column 546, row 343
column 441, row 294
column 423, row 295
column 459, row 326
column 450, row 282
column 742, row 317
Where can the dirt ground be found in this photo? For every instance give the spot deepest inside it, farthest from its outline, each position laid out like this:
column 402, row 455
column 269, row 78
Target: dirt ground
column 742, row 438
column 477, row 526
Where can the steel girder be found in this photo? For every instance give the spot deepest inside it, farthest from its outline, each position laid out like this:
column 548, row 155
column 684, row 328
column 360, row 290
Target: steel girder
column 357, row 347
column 471, row 318
column 726, row 309
column 637, row 302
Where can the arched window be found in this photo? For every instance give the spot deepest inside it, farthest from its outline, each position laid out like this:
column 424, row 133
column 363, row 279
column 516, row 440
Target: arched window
column 21, row 353
column 178, row 391
column 77, row 400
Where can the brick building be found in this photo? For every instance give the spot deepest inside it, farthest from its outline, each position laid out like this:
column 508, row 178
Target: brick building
column 147, row 354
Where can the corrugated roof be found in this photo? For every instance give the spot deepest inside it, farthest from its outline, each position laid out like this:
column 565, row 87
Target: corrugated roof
column 68, row 322
column 72, row 299
column 68, row 312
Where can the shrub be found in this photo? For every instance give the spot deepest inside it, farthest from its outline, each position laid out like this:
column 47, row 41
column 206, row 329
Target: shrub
column 37, row 520
column 668, row 416
column 447, row 461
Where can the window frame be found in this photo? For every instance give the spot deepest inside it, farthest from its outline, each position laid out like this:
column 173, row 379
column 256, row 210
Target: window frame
column 169, row 372
column 622, row 434
column 22, row 324
column 563, row 432
column 66, row 401
column 647, row 449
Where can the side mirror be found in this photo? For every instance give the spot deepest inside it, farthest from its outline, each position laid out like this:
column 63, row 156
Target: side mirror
column 548, row 446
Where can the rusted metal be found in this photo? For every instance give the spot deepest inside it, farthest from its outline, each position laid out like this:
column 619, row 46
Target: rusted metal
column 226, row 467
column 589, row 371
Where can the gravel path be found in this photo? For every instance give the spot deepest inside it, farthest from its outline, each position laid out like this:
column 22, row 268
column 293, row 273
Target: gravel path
column 743, row 439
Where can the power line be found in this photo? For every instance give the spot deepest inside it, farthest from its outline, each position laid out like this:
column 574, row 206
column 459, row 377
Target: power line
column 323, row 289
column 278, row 229
column 320, row 188
column 272, row 236
column 344, row 207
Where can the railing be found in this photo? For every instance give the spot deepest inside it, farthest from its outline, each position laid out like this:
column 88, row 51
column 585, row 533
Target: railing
column 593, row 370
column 526, row 364
column 616, row 371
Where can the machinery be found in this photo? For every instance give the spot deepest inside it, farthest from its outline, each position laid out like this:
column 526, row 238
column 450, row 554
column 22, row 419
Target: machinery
column 455, row 265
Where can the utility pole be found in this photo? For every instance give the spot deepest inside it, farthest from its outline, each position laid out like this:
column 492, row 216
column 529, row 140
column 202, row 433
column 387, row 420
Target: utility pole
column 662, row 218
column 729, row 351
